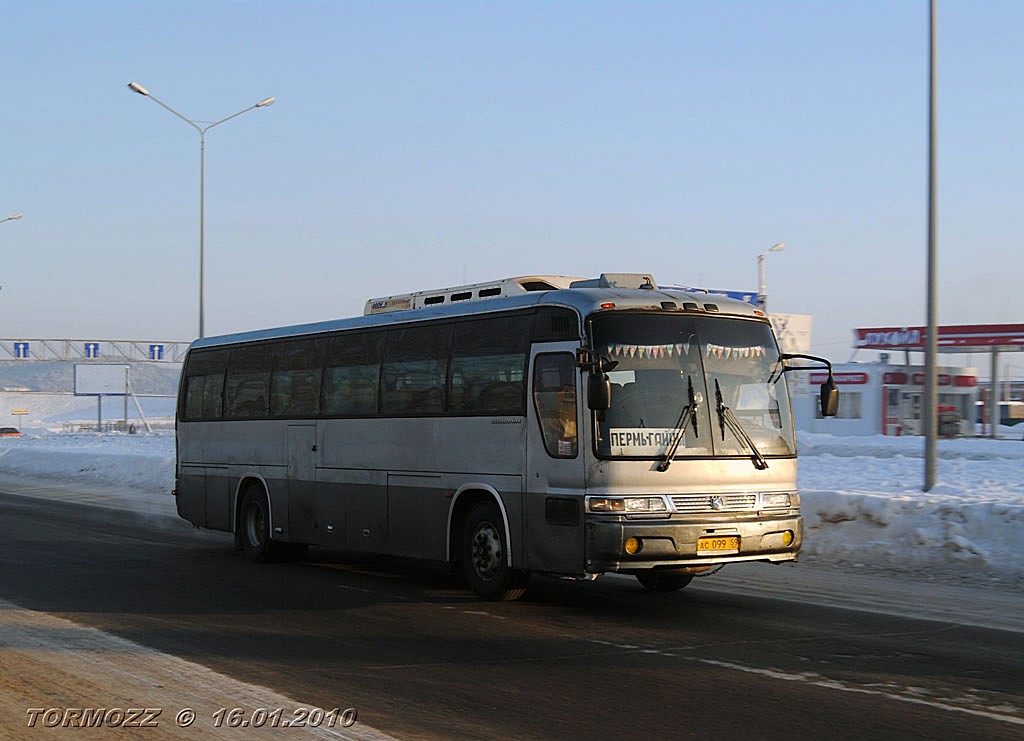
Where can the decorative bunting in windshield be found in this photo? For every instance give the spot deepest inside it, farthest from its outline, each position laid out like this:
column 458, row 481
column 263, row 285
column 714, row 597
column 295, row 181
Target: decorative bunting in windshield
column 646, row 352
column 729, row 353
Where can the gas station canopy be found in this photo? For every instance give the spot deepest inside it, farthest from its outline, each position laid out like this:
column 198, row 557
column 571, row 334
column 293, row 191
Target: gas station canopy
column 963, row 338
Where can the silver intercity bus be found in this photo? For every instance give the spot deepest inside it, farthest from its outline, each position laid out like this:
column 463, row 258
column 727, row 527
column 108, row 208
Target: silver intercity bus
column 541, row 424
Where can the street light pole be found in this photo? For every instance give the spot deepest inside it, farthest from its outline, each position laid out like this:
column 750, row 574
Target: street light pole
column 12, row 217
column 931, row 374
column 137, row 88
column 762, row 290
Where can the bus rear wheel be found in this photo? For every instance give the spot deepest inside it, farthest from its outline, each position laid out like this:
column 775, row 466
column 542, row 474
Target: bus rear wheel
column 252, row 531
column 663, row 581
column 485, row 556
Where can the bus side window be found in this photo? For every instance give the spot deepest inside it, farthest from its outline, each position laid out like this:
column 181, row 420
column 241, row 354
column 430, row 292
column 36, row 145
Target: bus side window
column 295, row 382
column 415, row 368
column 247, row 388
column 352, row 374
column 488, row 374
column 554, row 396
column 204, row 384
column 194, row 388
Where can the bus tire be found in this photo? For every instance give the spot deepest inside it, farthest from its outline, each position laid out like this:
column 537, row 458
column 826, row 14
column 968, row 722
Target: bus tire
column 663, row 581
column 485, row 556
column 252, row 531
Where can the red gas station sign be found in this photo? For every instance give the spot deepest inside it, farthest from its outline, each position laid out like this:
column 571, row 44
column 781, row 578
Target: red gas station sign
column 840, row 378
column 950, row 338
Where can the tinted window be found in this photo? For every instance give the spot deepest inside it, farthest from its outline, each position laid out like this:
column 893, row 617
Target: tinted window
column 489, row 366
column 204, row 384
column 414, row 371
column 351, row 375
column 247, row 388
column 295, row 383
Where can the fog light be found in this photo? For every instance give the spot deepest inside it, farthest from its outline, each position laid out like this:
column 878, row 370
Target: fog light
column 633, row 546
column 787, row 538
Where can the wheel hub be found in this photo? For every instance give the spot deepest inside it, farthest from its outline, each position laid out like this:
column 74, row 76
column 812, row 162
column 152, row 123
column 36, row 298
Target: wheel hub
column 255, row 526
column 486, row 551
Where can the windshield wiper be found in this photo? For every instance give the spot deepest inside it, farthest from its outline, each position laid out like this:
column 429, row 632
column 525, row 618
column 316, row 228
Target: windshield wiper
column 688, row 414
column 726, row 418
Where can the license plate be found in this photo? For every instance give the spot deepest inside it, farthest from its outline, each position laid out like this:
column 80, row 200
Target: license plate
column 722, row 543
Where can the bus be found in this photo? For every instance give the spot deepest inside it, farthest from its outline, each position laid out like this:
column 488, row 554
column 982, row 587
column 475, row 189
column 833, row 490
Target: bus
column 544, row 424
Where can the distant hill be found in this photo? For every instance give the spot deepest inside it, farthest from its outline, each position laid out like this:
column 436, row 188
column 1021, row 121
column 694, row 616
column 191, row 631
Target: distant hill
column 59, row 376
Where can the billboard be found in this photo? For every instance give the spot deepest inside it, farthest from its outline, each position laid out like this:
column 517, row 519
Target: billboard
column 793, row 332
column 92, row 379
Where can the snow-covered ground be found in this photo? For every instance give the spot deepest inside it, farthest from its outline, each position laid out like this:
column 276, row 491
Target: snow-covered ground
column 861, row 496
column 863, row 504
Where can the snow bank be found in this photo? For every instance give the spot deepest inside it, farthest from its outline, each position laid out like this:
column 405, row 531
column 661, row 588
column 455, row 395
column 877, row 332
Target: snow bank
column 862, row 503
column 143, row 461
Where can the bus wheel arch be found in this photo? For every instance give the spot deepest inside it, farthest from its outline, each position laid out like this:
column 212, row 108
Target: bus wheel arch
column 253, row 524
column 480, row 539
column 463, row 501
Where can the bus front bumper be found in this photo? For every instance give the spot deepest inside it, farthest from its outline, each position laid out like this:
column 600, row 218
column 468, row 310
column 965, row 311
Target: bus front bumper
column 619, row 544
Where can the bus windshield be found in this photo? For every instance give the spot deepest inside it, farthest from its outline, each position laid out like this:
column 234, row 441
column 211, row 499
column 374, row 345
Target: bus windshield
column 687, row 386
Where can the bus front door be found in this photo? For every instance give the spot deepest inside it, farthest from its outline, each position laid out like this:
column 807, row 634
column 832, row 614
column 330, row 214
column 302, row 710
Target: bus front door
column 553, row 501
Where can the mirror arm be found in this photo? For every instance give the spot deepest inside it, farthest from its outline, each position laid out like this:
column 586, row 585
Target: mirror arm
column 589, row 359
column 791, row 356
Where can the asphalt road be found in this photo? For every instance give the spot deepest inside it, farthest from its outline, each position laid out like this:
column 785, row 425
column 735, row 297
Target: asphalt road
column 420, row 657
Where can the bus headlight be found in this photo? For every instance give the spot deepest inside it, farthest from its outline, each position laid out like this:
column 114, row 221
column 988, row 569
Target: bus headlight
column 645, row 504
column 627, row 505
column 775, row 500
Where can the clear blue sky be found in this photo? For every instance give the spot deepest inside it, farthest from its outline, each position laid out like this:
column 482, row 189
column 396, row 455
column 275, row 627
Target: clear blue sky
column 415, row 144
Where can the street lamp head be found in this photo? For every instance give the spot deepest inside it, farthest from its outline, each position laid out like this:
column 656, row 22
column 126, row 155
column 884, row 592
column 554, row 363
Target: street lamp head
column 265, row 102
column 777, row 247
column 15, row 216
column 137, row 88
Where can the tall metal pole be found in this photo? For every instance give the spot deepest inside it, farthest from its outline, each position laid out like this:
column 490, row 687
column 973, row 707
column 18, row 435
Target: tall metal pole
column 762, row 282
column 137, row 88
column 931, row 388
column 202, row 233
column 994, row 412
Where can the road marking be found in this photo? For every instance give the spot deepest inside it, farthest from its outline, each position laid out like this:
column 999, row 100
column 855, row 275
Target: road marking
column 817, row 680
column 833, row 684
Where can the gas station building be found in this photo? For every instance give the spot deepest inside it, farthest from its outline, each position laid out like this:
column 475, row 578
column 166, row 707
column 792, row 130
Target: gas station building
column 885, row 398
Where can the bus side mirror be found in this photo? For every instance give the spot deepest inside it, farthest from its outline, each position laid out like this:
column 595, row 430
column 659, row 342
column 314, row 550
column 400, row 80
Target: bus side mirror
column 599, row 392
column 829, row 398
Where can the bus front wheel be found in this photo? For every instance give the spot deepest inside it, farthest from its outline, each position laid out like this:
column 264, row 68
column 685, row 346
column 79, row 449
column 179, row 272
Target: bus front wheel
column 485, row 556
column 252, row 531
column 663, row 581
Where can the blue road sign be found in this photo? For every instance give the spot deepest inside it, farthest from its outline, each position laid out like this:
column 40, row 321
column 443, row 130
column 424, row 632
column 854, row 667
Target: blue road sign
column 156, row 352
column 92, row 349
column 21, row 350
column 747, row 297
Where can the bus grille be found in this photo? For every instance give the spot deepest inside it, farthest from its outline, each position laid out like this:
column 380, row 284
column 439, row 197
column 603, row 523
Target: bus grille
column 691, row 503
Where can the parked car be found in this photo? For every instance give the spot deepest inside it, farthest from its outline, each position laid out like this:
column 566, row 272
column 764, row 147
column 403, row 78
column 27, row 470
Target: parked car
column 9, row 432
